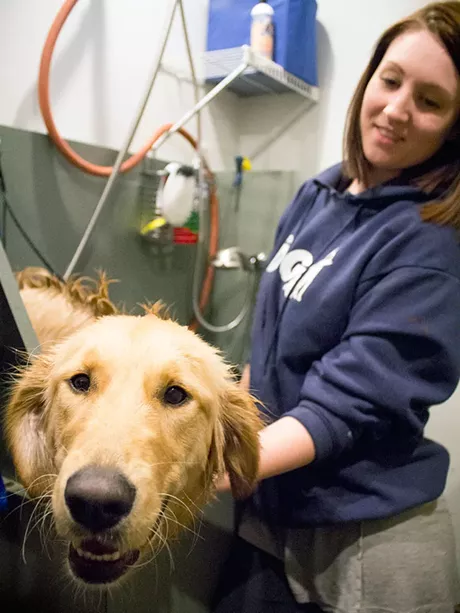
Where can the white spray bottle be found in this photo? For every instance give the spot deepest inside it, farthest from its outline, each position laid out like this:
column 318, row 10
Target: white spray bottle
column 262, row 29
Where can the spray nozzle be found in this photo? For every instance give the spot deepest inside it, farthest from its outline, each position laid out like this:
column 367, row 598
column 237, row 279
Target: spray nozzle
column 242, row 164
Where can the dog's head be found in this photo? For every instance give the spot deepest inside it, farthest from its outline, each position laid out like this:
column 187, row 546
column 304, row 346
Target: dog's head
column 124, row 426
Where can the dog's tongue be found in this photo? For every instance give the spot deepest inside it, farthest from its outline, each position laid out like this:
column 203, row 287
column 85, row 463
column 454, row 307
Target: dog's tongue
column 97, row 548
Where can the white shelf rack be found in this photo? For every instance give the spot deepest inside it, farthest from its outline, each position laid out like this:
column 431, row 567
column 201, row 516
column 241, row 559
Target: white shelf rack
column 247, row 73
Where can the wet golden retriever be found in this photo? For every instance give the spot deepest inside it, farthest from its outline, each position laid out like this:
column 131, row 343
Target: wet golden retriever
column 122, row 423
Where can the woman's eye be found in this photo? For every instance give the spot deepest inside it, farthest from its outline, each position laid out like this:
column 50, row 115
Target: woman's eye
column 175, row 395
column 430, row 103
column 80, row 382
column 389, row 82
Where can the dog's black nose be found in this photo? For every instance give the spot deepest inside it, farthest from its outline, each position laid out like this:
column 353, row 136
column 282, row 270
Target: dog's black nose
column 99, row 498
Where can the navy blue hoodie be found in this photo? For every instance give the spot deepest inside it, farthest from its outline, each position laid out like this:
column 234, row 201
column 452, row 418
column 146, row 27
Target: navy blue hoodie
column 356, row 334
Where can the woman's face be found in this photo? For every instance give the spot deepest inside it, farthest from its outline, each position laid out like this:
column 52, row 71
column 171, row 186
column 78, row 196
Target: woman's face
column 410, row 104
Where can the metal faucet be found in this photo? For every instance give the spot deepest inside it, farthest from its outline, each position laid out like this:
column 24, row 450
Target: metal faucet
column 233, row 258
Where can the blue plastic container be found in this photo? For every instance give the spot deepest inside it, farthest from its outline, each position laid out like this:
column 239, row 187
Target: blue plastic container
column 229, row 25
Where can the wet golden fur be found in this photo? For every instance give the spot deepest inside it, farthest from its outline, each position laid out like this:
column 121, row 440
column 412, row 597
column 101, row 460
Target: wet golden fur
column 171, row 454
column 56, row 308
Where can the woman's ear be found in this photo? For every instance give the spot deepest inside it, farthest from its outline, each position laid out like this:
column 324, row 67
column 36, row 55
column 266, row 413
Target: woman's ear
column 25, row 425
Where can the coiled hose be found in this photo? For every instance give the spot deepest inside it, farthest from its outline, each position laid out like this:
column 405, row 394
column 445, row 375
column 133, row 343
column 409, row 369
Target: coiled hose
column 107, row 171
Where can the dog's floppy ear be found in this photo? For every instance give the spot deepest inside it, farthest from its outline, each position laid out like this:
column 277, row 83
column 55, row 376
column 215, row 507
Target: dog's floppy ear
column 25, row 423
column 235, row 448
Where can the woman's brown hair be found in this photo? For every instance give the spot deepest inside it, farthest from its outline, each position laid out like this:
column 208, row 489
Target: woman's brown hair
column 440, row 175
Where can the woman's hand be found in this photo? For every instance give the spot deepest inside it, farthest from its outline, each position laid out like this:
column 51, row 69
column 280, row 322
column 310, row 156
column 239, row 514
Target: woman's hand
column 246, row 378
column 223, row 484
column 284, row 446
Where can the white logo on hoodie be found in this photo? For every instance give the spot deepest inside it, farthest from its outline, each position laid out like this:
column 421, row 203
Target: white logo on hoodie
column 297, row 268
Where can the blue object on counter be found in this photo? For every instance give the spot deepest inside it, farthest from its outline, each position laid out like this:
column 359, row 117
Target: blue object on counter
column 229, row 25
column 3, row 498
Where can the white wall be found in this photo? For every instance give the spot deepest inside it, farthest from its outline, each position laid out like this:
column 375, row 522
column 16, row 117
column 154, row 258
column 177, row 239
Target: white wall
column 107, row 49
column 101, row 65
column 347, row 31
column 100, row 70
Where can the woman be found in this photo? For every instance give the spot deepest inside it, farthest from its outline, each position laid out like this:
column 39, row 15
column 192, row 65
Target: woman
column 356, row 334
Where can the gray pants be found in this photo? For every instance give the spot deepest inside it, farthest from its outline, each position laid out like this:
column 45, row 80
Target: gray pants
column 405, row 564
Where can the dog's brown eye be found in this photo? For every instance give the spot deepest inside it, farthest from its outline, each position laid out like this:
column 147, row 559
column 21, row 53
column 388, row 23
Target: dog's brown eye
column 175, row 395
column 80, row 382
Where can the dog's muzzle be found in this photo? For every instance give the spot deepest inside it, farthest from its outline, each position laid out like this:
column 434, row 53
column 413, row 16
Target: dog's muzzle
column 99, row 499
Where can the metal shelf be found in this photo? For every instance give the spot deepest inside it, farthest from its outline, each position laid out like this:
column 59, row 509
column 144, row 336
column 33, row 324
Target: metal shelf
column 246, row 73
column 249, row 74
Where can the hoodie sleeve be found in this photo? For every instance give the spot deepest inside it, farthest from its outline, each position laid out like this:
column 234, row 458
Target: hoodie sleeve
column 399, row 354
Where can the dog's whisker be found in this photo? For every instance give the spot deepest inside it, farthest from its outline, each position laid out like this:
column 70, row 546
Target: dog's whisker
column 79, row 592
column 37, row 524
column 109, row 594
column 151, row 559
column 36, row 510
column 165, row 545
column 40, row 478
column 154, row 553
column 45, row 495
column 198, row 510
column 200, row 525
column 198, row 517
column 13, row 494
column 27, row 533
column 47, row 512
column 45, row 538
column 181, row 525
column 168, row 549
column 176, row 499
column 193, row 517
column 24, row 501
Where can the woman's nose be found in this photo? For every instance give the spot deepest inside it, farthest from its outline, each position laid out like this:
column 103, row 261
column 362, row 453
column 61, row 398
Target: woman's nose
column 398, row 107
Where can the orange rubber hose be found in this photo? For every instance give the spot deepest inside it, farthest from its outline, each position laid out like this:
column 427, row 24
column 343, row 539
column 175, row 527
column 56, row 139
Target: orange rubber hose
column 105, row 171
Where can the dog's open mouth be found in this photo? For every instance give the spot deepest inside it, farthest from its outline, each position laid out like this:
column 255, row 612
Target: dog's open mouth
column 95, row 562
column 98, row 560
